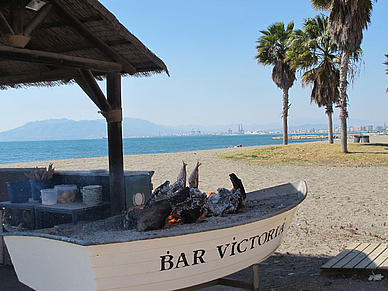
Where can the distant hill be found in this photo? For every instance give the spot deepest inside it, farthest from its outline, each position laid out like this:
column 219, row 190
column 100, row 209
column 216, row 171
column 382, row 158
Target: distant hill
column 56, row 129
column 65, row 129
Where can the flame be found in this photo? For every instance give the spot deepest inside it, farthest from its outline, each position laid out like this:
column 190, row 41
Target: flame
column 172, row 219
column 201, row 217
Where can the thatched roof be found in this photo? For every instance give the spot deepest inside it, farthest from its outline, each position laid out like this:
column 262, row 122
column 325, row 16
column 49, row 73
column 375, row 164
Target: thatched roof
column 71, row 28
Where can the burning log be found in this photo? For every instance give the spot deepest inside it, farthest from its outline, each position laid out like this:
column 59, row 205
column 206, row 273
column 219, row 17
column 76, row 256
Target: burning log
column 190, row 210
column 150, row 218
column 178, row 203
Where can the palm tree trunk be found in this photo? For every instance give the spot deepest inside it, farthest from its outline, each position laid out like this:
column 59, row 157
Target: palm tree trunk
column 329, row 112
column 343, row 99
column 285, row 115
column 330, row 125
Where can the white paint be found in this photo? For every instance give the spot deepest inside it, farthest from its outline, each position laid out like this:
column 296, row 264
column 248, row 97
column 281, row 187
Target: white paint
column 143, row 265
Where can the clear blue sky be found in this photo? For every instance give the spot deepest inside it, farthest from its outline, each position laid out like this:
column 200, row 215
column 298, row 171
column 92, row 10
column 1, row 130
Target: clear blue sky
column 209, row 48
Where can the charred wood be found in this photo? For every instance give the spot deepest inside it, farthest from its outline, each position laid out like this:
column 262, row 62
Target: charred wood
column 237, row 184
column 150, row 218
column 179, row 204
column 159, row 193
column 180, row 196
column 190, row 215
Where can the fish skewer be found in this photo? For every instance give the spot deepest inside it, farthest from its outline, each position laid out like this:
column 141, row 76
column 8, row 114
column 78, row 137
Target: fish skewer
column 182, row 173
column 194, row 177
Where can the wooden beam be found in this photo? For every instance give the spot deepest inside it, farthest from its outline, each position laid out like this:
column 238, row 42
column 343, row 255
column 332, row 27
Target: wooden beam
column 60, row 60
column 91, row 88
column 38, row 19
column 63, row 23
column 91, row 37
column 81, row 82
column 48, row 76
column 115, row 142
column 16, row 15
column 5, row 28
column 89, row 46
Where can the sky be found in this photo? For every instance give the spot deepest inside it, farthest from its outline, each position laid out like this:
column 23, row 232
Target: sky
column 209, row 49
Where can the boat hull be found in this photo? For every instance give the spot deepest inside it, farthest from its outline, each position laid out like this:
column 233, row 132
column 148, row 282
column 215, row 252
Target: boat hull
column 166, row 263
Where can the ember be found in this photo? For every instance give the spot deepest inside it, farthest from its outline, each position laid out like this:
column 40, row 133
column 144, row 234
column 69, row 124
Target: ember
column 177, row 203
column 173, row 218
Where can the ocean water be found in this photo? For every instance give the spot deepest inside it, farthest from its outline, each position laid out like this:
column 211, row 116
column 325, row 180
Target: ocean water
column 29, row 151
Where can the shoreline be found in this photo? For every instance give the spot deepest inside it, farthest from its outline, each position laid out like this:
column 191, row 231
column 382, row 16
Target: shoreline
column 344, row 205
column 168, row 165
column 99, row 149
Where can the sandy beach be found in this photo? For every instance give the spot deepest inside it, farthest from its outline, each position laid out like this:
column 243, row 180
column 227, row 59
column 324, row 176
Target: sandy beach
column 344, row 205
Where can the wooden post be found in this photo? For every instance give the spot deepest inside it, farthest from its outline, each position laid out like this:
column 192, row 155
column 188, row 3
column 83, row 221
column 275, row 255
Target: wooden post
column 115, row 140
column 255, row 276
column 1, row 238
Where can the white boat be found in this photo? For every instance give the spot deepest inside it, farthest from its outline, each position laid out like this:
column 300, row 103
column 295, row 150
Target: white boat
column 167, row 262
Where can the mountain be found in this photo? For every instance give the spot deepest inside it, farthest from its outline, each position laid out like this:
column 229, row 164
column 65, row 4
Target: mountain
column 56, row 129
column 141, row 127
column 65, row 129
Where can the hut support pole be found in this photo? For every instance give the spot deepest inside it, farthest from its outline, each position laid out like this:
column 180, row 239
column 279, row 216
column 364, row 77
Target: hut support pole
column 115, row 141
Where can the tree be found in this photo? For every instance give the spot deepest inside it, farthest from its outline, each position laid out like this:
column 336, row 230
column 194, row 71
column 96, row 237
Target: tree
column 347, row 20
column 272, row 50
column 386, row 71
column 315, row 53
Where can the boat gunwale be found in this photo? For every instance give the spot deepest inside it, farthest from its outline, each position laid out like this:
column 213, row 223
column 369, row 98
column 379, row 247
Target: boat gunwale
column 303, row 195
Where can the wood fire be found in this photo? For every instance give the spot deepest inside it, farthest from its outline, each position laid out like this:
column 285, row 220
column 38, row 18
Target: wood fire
column 177, row 203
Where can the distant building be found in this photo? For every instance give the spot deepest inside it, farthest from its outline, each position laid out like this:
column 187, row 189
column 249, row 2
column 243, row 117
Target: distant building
column 230, row 131
column 240, row 129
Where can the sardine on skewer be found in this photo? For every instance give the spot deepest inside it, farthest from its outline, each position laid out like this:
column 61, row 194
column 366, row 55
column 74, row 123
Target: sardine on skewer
column 182, row 173
column 180, row 183
column 194, row 177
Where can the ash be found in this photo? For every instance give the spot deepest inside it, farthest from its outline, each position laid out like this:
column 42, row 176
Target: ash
column 111, row 230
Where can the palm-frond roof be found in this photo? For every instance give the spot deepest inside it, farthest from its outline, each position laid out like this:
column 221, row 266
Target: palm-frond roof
column 82, row 29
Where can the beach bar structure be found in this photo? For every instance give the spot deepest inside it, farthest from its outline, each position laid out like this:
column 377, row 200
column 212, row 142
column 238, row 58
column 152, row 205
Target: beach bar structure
column 58, row 42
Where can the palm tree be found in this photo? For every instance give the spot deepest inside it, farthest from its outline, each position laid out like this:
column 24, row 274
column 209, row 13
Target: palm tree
column 272, row 50
column 315, row 53
column 347, row 20
column 386, row 71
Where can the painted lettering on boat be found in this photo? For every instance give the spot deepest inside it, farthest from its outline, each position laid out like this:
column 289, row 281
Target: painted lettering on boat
column 235, row 247
column 246, row 244
column 167, row 261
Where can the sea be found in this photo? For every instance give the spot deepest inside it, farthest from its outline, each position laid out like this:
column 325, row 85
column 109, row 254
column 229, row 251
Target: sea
column 30, row 151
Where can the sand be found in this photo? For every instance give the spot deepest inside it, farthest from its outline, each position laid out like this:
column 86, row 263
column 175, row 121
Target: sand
column 344, row 205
